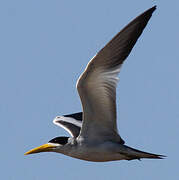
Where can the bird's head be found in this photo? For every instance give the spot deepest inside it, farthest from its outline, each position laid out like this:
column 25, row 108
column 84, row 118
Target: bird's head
column 54, row 145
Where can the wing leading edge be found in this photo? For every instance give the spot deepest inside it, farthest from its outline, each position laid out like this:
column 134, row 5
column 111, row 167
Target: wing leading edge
column 71, row 123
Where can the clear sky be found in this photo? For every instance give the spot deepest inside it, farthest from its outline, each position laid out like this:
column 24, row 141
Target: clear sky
column 45, row 46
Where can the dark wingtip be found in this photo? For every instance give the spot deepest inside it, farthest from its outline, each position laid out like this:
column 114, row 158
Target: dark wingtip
column 148, row 12
column 157, row 156
column 78, row 116
column 151, row 10
column 154, row 7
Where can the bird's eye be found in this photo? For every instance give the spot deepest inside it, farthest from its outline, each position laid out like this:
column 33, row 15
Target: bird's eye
column 59, row 140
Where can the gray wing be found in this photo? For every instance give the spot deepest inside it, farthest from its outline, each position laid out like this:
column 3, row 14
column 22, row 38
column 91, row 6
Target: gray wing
column 71, row 123
column 97, row 85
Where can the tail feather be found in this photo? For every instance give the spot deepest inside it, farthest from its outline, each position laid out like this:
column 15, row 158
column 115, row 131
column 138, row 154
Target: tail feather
column 137, row 154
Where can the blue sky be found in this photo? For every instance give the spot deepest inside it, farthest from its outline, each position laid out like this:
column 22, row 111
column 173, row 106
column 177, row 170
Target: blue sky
column 45, row 46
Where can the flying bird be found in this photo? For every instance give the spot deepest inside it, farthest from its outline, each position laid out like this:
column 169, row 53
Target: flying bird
column 94, row 134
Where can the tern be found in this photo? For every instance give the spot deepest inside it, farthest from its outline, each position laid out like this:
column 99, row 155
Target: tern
column 94, row 134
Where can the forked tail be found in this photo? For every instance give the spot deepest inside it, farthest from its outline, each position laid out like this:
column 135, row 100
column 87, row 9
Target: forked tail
column 137, row 154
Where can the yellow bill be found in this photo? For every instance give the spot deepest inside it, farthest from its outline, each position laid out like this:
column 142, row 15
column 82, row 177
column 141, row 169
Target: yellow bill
column 43, row 148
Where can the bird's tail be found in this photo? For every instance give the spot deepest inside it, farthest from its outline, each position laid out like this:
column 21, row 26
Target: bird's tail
column 137, row 154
